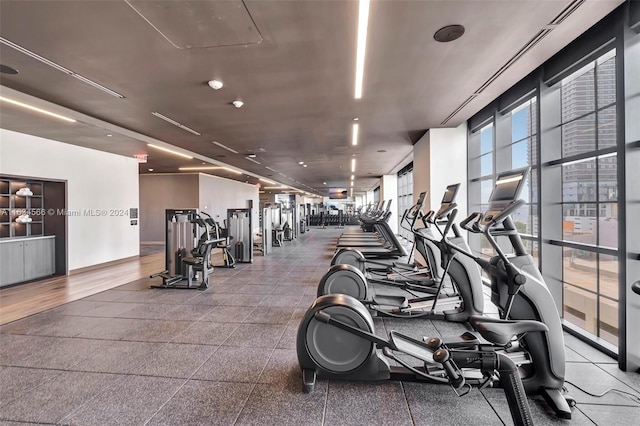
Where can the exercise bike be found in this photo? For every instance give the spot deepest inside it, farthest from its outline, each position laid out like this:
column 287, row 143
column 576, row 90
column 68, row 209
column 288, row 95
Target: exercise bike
column 523, row 351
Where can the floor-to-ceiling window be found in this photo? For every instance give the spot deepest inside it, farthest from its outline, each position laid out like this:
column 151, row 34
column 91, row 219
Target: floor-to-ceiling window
column 523, row 149
column 564, row 121
column 589, row 198
column 405, row 198
column 481, row 174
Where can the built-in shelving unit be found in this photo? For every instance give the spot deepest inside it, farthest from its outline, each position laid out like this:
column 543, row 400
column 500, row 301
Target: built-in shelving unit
column 13, row 204
column 27, row 252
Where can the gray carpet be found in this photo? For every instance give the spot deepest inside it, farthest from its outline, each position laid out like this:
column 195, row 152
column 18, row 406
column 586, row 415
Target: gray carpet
column 135, row 356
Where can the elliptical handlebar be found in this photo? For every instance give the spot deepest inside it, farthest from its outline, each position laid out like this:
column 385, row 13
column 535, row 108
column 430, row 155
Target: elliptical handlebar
column 427, row 218
column 443, row 212
column 496, row 220
column 470, row 223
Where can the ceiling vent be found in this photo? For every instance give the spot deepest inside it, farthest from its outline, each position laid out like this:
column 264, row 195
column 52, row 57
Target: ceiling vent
column 572, row 7
column 190, row 24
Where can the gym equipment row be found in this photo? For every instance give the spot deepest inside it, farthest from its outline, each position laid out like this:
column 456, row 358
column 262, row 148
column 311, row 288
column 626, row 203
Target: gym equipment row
column 522, row 351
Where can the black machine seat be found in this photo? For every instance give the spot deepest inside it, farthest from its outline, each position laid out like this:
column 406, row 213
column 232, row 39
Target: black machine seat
column 500, row 332
column 200, row 263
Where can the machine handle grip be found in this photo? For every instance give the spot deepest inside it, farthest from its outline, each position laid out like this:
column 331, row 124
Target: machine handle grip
column 514, row 391
column 442, row 356
column 636, row 287
column 516, row 279
column 472, row 217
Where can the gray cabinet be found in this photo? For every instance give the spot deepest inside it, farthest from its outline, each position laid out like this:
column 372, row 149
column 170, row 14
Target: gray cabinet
column 11, row 262
column 26, row 259
column 39, row 258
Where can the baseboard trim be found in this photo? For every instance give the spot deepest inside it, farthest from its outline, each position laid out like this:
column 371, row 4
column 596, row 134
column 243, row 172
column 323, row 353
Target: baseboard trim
column 102, row 265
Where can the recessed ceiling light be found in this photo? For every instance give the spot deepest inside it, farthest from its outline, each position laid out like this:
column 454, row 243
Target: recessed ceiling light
column 305, row 165
column 150, row 170
column 215, row 84
column 354, row 136
column 363, row 22
column 237, row 103
column 356, row 119
column 232, row 170
column 32, row 108
column 301, row 162
column 449, row 33
column 324, row 183
column 170, row 151
column 251, row 156
column 109, row 135
column 200, row 168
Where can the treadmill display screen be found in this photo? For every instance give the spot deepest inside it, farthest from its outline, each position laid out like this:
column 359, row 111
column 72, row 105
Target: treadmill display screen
column 450, row 194
column 508, row 187
column 421, row 198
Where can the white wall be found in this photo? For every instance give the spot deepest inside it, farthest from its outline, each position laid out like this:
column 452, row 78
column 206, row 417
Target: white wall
column 95, row 180
column 217, row 194
column 449, row 165
column 440, row 159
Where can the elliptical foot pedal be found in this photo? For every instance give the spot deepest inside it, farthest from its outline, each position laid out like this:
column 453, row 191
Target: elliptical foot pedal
column 558, row 402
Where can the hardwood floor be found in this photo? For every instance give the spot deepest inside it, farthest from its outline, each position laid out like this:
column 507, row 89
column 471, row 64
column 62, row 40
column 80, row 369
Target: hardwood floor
column 27, row 299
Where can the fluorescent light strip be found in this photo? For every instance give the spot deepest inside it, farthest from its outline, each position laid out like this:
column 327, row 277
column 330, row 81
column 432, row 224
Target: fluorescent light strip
column 509, row 179
column 269, row 168
column 282, row 174
column 200, row 168
column 353, row 165
column 59, row 67
column 351, row 183
column 170, row 151
column 252, row 160
column 32, row 108
column 225, row 147
column 353, row 177
column 276, row 187
column 268, row 181
column 232, row 171
column 175, row 123
column 363, row 23
column 354, row 136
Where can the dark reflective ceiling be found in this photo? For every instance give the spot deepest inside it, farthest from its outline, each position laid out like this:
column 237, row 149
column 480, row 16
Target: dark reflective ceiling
column 292, row 63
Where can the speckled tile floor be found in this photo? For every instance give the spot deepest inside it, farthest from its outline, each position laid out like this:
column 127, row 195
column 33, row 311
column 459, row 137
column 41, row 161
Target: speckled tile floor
column 135, row 356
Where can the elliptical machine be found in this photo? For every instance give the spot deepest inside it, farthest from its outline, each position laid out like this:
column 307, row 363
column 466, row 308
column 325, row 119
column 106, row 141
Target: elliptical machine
column 458, row 304
column 336, row 338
